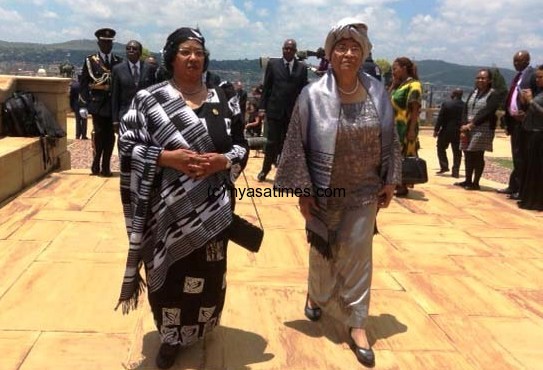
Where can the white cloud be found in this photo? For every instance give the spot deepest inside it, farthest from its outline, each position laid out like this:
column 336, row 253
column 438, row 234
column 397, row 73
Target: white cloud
column 50, row 15
column 460, row 31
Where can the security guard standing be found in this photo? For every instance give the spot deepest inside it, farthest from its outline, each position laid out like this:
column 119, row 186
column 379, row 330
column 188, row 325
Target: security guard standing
column 95, row 98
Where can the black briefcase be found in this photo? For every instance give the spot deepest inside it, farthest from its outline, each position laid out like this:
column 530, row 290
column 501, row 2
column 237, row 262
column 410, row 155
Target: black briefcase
column 245, row 234
column 414, row 171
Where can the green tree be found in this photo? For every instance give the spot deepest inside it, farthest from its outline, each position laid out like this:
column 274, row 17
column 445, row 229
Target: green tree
column 145, row 53
column 383, row 64
column 499, row 84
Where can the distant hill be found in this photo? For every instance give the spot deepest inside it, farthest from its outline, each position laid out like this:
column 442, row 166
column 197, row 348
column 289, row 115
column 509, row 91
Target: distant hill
column 441, row 73
column 15, row 56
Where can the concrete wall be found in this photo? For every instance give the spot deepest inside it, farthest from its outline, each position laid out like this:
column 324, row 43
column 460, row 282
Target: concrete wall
column 21, row 159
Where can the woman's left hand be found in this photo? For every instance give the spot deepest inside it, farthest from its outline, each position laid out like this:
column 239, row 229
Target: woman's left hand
column 385, row 195
column 210, row 164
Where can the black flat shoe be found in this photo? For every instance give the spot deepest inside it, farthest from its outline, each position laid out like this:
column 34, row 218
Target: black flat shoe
column 313, row 314
column 365, row 356
column 462, row 184
column 472, row 187
column 442, row 171
column 166, row 355
column 507, row 190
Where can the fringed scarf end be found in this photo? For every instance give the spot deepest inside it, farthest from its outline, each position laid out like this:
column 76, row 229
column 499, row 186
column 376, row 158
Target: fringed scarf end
column 324, row 247
column 131, row 303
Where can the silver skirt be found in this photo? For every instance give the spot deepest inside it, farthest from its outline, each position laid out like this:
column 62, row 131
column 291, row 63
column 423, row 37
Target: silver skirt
column 341, row 285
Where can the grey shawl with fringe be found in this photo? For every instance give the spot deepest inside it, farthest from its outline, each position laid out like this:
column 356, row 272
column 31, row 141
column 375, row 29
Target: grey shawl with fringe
column 311, row 146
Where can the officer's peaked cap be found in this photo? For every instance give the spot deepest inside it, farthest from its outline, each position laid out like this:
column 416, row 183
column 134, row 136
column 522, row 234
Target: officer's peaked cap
column 105, row 34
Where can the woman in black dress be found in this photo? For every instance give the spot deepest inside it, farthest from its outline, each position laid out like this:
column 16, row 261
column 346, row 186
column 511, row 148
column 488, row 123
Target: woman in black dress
column 181, row 145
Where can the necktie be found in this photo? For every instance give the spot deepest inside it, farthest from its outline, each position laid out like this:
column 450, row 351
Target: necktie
column 287, row 66
column 106, row 59
column 512, row 91
column 136, row 74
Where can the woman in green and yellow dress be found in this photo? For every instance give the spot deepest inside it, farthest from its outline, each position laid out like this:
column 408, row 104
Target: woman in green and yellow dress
column 406, row 95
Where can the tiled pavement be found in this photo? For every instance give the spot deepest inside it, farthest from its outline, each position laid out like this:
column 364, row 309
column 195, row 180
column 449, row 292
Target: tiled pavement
column 458, row 284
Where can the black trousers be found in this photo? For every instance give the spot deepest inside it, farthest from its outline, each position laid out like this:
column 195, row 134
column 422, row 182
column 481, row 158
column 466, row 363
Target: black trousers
column 80, row 126
column 104, row 141
column 518, row 145
column 276, row 133
column 443, row 141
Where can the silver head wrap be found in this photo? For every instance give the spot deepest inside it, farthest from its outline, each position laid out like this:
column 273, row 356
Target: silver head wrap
column 348, row 28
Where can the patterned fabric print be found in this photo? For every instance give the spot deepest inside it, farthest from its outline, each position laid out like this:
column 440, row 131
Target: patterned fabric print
column 481, row 136
column 167, row 214
column 358, row 148
column 407, row 93
column 190, row 302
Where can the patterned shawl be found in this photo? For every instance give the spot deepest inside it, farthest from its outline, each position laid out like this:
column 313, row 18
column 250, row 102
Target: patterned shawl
column 167, row 214
column 318, row 109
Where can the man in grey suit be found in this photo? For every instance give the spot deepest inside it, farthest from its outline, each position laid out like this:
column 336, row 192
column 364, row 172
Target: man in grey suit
column 447, row 131
column 129, row 77
column 514, row 115
column 283, row 81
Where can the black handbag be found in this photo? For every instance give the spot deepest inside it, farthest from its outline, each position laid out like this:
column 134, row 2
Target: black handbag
column 245, row 234
column 414, row 170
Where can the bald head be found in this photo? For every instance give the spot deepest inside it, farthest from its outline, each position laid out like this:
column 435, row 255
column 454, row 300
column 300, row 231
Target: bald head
column 521, row 60
column 289, row 49
column 457, row 93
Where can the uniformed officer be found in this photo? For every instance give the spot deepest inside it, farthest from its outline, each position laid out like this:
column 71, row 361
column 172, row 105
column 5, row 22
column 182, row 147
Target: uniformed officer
column 95, row 98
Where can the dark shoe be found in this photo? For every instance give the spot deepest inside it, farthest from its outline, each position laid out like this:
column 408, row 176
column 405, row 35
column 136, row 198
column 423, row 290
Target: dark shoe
column 313, row 314
column 261, row 176
column 514, row 196
column 84, row 138
column 95, row 169
column 507, row 190
column 462, row 184
column 472, row 187
column 455, row 174
column 166, row 355
column 401, row 191
column 106, row 174
column 442, row 171
column 364, row 355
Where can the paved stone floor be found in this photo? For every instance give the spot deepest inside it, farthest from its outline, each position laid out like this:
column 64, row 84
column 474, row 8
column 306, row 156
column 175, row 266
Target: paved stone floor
column 458, row 284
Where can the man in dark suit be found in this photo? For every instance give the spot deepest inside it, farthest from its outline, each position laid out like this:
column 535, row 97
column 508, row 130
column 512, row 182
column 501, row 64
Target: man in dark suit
column 371, row 68
column 447, row 131
column 95, row 98
column 514, row 115
column 283, row 81
column 242, row 97
column 128, row 78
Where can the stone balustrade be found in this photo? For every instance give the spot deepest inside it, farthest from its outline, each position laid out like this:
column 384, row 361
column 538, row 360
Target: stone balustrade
column 21, row 158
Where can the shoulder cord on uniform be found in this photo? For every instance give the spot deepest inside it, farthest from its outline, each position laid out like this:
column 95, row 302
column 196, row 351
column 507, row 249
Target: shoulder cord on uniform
column 103, row 78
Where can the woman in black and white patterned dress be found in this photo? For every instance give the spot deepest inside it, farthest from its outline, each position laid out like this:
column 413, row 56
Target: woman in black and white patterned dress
column 181, row 145
column 477, row 132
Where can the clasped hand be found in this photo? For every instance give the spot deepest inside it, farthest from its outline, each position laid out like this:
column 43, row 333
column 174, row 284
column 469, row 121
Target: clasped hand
column 194, row 165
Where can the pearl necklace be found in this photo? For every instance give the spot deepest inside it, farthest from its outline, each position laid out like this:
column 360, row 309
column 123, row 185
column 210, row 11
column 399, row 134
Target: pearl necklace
column 194, row 92
column 349, row 92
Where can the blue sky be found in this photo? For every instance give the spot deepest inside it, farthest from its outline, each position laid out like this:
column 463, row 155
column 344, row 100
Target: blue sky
column 471, row 32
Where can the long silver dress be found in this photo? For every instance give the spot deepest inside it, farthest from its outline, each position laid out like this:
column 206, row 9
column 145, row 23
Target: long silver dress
column 341, row 285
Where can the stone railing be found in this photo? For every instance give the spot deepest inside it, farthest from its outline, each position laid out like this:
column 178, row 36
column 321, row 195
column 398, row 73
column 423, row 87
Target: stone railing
column 21, row 158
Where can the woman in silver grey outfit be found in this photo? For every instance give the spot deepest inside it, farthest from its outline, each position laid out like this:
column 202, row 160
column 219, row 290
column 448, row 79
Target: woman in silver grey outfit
column 342, row 135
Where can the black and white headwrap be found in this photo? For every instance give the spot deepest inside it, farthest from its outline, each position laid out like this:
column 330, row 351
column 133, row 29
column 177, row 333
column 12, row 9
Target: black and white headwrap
column 177, row 37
